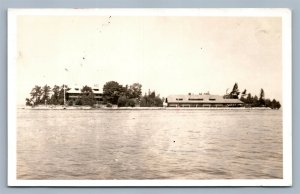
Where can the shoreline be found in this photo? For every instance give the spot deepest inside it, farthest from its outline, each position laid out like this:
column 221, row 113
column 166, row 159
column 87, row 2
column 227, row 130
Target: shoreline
column 137, row 108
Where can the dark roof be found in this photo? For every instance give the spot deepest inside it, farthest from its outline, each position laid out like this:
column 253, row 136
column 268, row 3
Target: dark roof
column 201, row 99
column 78, row 91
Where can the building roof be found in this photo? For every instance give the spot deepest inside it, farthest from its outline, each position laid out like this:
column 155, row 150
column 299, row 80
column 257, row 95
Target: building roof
column 77, row 90
column 73, row 91
column 212, row 99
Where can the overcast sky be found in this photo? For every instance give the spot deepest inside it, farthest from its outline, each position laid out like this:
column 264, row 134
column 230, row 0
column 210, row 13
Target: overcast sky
column 171, row 55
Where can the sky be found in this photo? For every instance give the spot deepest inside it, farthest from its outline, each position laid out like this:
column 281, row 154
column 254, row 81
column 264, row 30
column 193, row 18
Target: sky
column 168, row 54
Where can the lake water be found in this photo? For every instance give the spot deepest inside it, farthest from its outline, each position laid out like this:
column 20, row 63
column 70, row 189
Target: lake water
column 149, row 144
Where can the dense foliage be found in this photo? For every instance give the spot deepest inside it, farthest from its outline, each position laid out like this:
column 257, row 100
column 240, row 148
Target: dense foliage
column 87, row 96
column 128, row 96
column 151, row 100
column 112, row 90
column 44, row 95
column 253, row 101
column 113, row 94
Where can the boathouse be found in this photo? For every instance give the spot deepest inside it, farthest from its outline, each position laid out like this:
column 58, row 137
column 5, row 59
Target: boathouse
column 201, row 100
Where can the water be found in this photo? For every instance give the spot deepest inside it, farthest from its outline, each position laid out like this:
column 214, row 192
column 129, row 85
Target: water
column 149, row 144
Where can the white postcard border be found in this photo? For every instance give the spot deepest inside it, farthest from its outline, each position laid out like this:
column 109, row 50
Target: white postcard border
column 285, row 14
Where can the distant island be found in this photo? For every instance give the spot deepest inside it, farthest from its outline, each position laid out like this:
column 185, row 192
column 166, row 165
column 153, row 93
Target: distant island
column 117, row 95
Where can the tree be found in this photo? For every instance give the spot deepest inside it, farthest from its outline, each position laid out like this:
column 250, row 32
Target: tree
column 131, row 102
column 144, row 101
column 87, row 96
column 244, row 93
column 255, row 102
column 122, row 100
column 262, row 94
column 61, row 97
column 277, row 105
column 78, row 101
column 36, row 94
column 28, row 102
column 261, row 101
column 268, row 102
column 151, row 100
column 152, row 95
column 45, row 94
column 135, row 91
column 243, row 99
column 112, row 90
column 158, row 102
column 55, row 96
column 235, row 92
column 262, row 98
column 70, row 102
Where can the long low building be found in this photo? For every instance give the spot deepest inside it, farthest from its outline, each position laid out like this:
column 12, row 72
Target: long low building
column 205, row 100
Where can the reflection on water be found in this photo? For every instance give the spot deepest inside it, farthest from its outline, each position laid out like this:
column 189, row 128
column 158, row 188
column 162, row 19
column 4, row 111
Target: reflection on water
column 149, row 144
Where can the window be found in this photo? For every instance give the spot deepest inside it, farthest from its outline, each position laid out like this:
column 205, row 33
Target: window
column 212, row 99
column 76, row 88
column 180, row 99
column 96, row 89
column 196, row 99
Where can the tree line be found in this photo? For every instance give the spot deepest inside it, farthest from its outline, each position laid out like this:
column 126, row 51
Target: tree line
column 46, row 95
column 252, row 101
column 113, row 94
column 129, row 96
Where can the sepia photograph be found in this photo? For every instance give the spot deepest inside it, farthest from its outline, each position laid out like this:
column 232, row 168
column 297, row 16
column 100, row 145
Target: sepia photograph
column 149, row 97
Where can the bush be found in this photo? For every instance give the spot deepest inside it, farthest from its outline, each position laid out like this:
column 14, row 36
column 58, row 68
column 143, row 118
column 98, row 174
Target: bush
column 78, row 101
column 122, row 101
column 158, row 102
column 109, row 105
column 130, row 102
column 70, row 103
column 28, row 102
column 150, row 101
column 61, row 101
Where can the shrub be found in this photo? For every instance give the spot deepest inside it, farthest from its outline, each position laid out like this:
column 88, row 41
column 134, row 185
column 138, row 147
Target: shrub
column 130, row 102
column 78, row 101
column 70, row 103
column 122, row 101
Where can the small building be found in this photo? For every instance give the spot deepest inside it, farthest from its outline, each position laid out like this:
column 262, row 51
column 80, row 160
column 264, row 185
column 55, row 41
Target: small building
column 201, row 100
column 75, row 93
